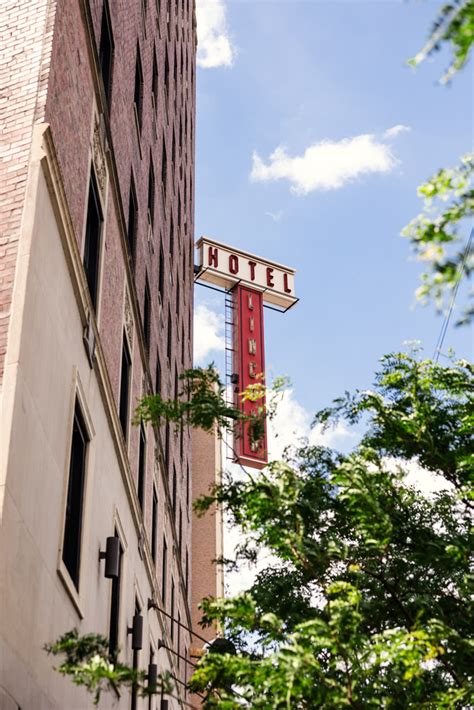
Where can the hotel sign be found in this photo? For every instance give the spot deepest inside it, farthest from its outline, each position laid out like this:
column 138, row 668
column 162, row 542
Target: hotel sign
column 251, row 283
column 225, row 266
column 249, row 365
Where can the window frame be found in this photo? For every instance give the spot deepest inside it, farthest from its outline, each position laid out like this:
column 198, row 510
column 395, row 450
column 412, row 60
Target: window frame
column 77, row 399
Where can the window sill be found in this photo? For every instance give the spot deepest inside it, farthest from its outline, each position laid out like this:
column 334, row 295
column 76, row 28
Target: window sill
column 71, row 590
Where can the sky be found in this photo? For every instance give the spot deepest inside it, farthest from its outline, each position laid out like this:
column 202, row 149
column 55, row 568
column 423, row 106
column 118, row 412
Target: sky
column 312, row 137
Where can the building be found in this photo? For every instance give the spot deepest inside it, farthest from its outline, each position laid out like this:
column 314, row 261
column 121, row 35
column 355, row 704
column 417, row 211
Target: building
column 96, row 294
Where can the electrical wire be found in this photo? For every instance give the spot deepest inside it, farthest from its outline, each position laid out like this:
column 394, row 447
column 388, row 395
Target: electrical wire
column 444, row 327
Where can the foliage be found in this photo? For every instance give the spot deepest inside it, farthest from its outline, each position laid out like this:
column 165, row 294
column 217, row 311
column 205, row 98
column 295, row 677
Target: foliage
column 368, row 603
column 202, row 403
column 89, row 664
column 454, row 25
column 448, row 200
column 449, row 194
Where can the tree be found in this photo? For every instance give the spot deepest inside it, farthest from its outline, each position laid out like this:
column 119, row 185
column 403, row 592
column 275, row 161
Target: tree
column 435, row 234
column 368, row 602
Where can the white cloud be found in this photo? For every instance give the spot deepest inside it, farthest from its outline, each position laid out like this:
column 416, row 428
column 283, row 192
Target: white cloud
column 215, row 48
column 208, row 333
column 395, row 131
column 424, row 481
column 292, row 423
column 275, row 216
column 327, row 165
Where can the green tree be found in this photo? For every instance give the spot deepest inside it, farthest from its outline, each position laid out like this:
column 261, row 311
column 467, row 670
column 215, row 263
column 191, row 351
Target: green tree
column 368, row 603
column 439, row 235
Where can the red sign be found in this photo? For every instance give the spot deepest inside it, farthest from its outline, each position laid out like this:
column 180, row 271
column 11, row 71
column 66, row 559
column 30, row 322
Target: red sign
column 249, row 365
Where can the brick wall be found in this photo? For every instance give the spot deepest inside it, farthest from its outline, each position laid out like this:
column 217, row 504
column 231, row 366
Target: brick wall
column 25, row 41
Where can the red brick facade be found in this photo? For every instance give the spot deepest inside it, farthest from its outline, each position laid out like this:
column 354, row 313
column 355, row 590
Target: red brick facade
column 25, row 36
column 51, row 73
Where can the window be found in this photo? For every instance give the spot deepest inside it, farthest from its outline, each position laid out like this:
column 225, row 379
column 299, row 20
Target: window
column 161, row 276
column 186, row 572
column 141, row 468
column 173, row 154
column 151, row 193
column 106, row 50
column 146, row 314
column 179, row 640
column 158, row 374
column 154, row 82
column 136, row 653
column 170, row 336
column 152, row 660
column 180, row 529
column 115, row 608
column 138, row 90
column 167, row 447
column 92, row 240
column 164, row 166
column 172, row 239
column 132, row 219
column 172, row 610
column 187, row 486
column 154, row 523
column 173, row 493
column 75, row 497
column 124, row 385
column 164, row 570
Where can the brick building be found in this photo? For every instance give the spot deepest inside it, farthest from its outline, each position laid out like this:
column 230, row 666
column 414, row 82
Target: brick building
column 96, row 274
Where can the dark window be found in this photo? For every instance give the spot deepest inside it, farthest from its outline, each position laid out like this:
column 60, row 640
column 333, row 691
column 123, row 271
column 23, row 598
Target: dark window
column 115, row 609
column 164, row 166
column 181, row 443
column 92, row 240
column 170, row 335
column 138, row 90
column 178, row 630
column 180, row 529
column 158, row 374
column 141, row 468
column 154, row 81
column 173, row 493
column 173, row 153
column 167, row 447
column 176, row 382
column 154, row 523
column 164, row 570
column 152, row 660
column 187, row 486
column 178, row 296
column 161, row 276
column 172, row 610
column 106, row 50
column 75, row 498
column 172, row 239
column 151, row 193
column 147, row 314
column 186, row 571
column 135, row 666
column 125, row 385
column 132, row 219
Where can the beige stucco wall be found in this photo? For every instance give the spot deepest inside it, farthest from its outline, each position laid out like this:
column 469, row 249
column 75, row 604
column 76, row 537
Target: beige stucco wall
column 46, row 364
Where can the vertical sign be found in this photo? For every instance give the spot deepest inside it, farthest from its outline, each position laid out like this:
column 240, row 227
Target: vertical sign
column 249, row 365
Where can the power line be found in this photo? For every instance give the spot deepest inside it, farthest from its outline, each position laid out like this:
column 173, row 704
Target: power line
column 444, row 327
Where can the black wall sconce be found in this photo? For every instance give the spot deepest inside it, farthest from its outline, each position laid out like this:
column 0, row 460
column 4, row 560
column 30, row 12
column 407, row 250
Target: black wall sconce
column 152, row 677
column 136, row 630
column 111, row 557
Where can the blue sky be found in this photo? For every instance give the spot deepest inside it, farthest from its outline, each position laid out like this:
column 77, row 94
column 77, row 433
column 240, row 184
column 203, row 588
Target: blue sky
column 291, row 75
